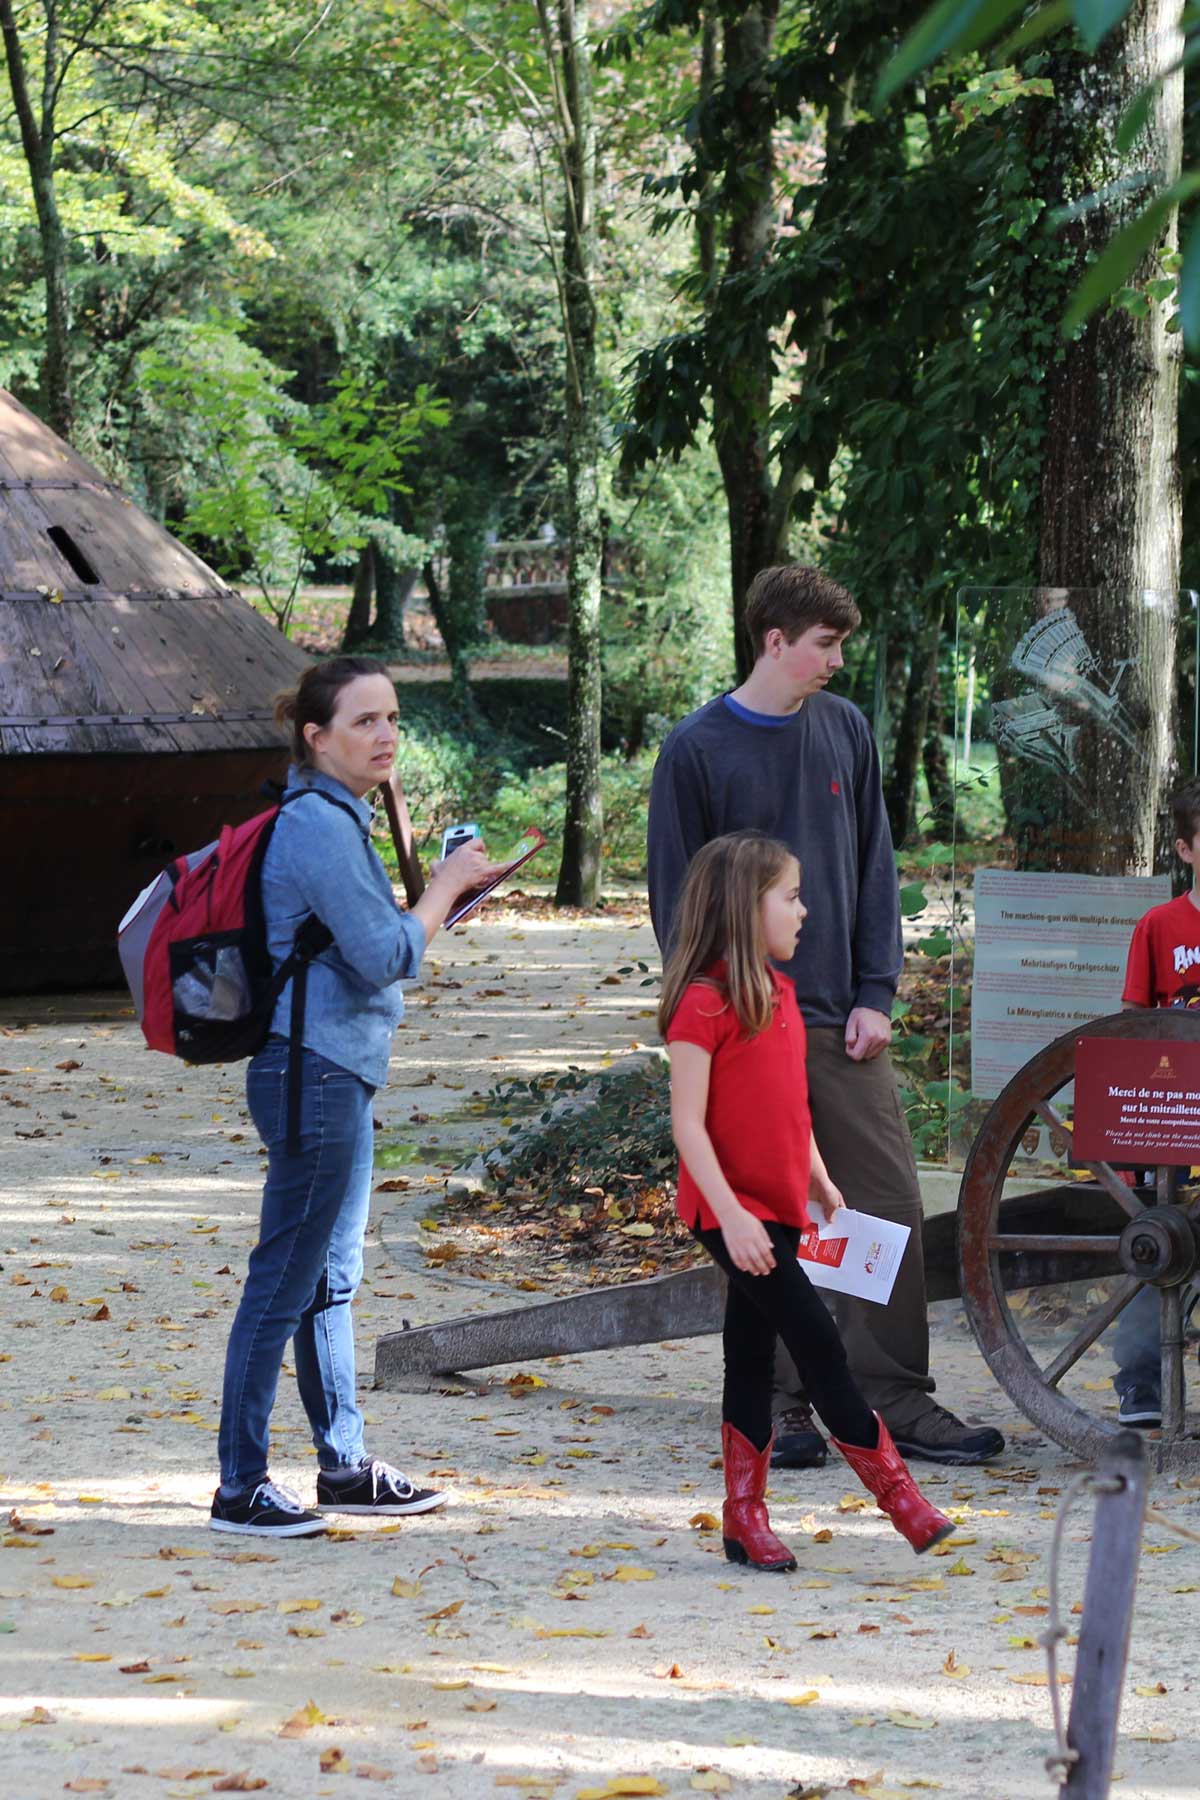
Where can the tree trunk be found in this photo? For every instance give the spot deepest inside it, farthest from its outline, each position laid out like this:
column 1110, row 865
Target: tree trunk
column 937, row 765
column 37, row 141
column 393, row 586
column 1110, row 492
column 900, row 789
column 358, row 619
column 743, row 363
column 580, row 871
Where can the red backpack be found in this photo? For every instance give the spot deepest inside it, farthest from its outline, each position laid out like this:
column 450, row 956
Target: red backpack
column 194, row 950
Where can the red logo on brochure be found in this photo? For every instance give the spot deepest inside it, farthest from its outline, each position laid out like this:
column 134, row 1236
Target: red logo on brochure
column 815, row 1249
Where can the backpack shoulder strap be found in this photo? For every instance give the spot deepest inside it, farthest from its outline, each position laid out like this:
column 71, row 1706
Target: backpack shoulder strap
column 299, row 793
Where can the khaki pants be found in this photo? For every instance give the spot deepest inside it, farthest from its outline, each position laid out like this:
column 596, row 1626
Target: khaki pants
column 861, row 1132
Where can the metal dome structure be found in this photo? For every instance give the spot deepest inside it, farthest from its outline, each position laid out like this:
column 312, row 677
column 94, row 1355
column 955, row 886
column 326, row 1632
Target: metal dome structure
column 135, row 706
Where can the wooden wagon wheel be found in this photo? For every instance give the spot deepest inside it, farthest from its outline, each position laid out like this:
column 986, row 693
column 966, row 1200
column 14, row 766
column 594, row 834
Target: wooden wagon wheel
column 1073, row 1232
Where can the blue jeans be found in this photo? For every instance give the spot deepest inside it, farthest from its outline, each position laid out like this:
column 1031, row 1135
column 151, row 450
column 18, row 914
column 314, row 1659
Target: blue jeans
column 304, row 1270
column 1136, row 1344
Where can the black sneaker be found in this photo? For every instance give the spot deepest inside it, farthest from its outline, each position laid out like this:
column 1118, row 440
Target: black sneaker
column 1141, row 1406
column 377, row 1488
column 798, row 1443
column 267, row 1511
column 937, row 1436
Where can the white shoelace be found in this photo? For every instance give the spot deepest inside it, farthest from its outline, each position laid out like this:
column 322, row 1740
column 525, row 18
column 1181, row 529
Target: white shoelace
column 281, row 1497
column 386, row 1476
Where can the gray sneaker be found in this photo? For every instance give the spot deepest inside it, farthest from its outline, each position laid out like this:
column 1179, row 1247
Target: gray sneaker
column 937, row 1436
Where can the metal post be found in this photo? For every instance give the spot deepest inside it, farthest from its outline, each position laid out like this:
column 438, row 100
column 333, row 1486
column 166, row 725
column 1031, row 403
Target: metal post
column 1120, row 1487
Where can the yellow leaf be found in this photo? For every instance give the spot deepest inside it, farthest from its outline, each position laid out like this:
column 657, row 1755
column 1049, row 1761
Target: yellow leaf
column 581, row 1632
column 114, row 1393
column 961, row 1567
column 90, row 1656
column 957, row 1671
column 302, row 1721
column 295, row 1606
column 405, row 1590
column 629, row 1572
column 760, row 1609
column 711, row 1781
column 1152, row 1692
column 911, row 1721
column 808, row 1698
column 451, row 1686
column 1154, row 1734
column 736, row 1739
column 704, row 1521
column 71, row 1581
column 1040, row 1679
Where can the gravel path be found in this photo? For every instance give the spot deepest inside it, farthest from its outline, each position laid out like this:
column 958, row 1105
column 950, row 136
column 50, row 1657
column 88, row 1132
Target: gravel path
column 564, row 1622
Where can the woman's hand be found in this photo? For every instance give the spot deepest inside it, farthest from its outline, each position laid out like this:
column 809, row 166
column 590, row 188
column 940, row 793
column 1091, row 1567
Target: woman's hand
column 748, row 1243
column 463, row 871
column 827, row 1197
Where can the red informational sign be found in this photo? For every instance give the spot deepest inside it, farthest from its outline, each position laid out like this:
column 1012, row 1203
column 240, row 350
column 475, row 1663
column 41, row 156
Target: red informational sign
column 1136, row 1100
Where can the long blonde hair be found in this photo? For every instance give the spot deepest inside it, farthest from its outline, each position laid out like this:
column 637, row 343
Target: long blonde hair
column 720, row 917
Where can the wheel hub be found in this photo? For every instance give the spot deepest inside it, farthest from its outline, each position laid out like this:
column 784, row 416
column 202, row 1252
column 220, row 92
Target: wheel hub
column 1160, row 1246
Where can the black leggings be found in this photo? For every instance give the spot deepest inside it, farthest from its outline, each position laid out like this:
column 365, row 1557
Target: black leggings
column 784, row 1304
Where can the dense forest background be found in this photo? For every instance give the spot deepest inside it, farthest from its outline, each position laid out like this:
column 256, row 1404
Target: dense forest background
column 350, row 294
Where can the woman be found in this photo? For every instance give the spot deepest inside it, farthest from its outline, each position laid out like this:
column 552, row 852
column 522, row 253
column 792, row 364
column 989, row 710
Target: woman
column 307, row 1264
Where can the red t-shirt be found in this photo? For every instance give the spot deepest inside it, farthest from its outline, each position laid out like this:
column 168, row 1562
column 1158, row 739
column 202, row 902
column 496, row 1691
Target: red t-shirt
column 1164, row 956
column 757, row 1115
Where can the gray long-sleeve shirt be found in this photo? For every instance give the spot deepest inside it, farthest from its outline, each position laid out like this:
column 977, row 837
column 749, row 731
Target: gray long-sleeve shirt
column 813, row 780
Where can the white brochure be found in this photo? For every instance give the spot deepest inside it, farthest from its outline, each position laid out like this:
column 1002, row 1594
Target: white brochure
column 855, row 1254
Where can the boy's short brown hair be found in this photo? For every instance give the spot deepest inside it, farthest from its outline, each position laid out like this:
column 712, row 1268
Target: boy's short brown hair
column 793, row 598
column 1185, row 811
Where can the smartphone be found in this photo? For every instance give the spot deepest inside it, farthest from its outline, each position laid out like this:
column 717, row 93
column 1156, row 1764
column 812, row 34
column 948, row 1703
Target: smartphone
column 455, row 836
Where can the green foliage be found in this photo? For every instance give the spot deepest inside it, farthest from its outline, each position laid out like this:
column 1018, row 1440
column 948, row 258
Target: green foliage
column 956, row 26
column 539, row 798
column 618, row 1141
column 276, row 486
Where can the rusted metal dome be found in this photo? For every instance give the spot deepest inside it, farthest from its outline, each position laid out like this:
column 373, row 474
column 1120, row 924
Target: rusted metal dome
column 135, row 706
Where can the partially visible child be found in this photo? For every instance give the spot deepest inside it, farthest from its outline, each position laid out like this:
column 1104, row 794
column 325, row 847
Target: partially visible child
column 748, row 1164
column 1163, row 970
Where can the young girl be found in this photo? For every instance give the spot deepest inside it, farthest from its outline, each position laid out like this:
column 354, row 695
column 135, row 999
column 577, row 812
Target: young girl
column 748, row 1164
column 305, row 1269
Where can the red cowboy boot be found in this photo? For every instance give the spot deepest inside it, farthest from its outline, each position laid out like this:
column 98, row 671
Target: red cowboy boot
column 884, row 1471
column 748, row 1534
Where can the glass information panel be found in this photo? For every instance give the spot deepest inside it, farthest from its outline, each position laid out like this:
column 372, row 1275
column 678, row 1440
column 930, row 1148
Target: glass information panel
column 1075, row 719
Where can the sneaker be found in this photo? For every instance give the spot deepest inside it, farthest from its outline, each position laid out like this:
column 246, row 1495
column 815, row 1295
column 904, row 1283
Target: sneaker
column 937, row 1436
column 1141, row 1406
column 376, row 1488
column 266, row 1511
column 798, row 1443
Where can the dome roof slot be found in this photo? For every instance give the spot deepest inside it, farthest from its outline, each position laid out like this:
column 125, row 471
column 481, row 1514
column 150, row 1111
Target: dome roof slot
column 67, row 548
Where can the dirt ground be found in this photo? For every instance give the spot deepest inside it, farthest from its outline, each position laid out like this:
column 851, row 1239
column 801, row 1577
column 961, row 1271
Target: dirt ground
column 567, row 1621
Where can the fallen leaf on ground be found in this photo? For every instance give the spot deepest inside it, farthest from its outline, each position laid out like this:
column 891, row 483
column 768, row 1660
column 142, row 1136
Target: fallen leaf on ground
column 630, row 1572
column 808, row 1698
column 911, row 1721
column 295, row 1606
column 405, row 1590
column 242, row 1782
column 302, row 1721
column 334, row 1761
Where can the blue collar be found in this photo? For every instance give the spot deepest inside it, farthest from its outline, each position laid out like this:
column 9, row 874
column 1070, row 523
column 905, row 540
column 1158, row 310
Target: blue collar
column 768, row 721
column 301, row 776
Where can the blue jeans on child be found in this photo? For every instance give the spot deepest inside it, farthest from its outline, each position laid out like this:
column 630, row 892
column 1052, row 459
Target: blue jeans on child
column 304, row 1270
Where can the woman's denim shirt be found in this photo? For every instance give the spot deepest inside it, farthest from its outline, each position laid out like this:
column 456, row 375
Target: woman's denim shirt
column 320, row 860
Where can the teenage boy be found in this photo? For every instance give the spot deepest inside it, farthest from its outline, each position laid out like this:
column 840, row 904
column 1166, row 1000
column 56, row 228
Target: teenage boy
column 1163, row 970
column 781, row 755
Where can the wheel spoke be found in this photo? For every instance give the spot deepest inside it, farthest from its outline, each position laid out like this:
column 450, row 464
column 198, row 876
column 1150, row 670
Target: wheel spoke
column 1018, row 1240
column 1108, row 1178
column 1099, row 1322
